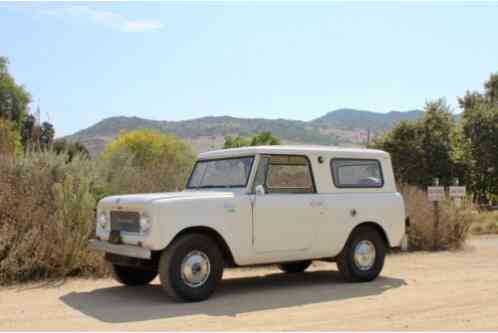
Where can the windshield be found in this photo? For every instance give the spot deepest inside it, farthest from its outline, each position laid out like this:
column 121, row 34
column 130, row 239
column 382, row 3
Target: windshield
column 229, row 172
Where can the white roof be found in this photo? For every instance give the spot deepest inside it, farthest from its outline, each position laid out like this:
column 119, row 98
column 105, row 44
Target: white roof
column 297, row 149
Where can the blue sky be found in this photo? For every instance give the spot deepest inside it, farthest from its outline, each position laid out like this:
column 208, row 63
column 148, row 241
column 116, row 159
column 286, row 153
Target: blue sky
column 173, row 61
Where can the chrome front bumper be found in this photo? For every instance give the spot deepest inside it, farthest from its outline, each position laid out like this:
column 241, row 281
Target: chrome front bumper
column 122, row 249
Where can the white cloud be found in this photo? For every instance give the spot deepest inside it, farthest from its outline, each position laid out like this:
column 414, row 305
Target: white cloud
column 104, row 18
column 141, row 25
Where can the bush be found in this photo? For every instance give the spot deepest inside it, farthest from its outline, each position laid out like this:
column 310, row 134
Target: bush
column 147, row 161
column 46, row 217
column 454, row 223
column 48, row 201
column 10, row 141
column 491, row 228
column 485, row 223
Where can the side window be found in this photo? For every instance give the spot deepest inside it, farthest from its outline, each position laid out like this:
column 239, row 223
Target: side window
column 351, row 173
column 289, row 174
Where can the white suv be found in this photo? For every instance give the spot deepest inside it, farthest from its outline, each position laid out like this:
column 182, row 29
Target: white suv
column 285, row 205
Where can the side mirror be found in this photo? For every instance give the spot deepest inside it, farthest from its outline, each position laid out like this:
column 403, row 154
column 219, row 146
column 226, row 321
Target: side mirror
column 260, row 190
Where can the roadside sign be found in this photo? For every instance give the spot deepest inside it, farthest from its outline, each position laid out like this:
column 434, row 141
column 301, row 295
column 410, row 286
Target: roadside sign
column 457, row 191
column 435, row 193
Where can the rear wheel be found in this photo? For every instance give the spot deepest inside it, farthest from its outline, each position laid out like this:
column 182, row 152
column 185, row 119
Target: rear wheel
column 132, row 276
column 191, row 268
column 295, row 267
column 362, row 258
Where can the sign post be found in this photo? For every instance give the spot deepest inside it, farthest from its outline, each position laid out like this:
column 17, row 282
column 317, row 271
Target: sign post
column 435, row 194
column 457, row 193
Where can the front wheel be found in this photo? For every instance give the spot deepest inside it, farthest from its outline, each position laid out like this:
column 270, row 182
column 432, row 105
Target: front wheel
column 362, row 258
column 191, row 268
column 132, row 276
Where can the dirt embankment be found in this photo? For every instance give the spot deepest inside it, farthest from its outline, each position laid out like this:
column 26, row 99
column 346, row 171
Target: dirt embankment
column 438, row 291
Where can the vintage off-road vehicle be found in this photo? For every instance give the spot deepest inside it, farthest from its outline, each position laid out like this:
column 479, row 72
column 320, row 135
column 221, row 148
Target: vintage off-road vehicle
column 285, row 205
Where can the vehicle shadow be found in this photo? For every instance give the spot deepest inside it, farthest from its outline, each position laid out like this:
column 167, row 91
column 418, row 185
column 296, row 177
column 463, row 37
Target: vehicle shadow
column 234, row 296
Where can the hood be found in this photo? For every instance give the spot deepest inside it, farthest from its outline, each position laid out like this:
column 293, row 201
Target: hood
column 146, row 198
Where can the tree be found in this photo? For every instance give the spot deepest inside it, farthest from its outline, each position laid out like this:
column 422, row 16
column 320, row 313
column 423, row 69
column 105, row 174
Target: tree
column 34, row 137
column 480, row 139
column 437, row 130
column 260, row 139
column 404, row 144
column 72, row 149
column 422, row 150
column 14, row 99
column 30, row 133
column 14, row 105
column 47, row 133
column 236, row 142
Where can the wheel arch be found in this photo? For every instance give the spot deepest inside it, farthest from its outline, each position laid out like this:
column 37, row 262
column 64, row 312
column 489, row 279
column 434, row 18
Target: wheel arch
column 377, row 227
column 215, row 235
column 369, row 224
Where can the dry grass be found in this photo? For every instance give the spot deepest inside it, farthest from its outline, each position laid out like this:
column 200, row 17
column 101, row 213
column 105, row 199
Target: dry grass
column 47, row 211
column 46, row 214
column 485, row 223
column 454, row 222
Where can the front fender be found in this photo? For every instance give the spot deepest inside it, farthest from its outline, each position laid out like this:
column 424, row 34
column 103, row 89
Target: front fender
column 230, row 217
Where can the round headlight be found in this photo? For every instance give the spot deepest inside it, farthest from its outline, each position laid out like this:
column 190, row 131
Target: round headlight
column 102, row 220
column 144, row 223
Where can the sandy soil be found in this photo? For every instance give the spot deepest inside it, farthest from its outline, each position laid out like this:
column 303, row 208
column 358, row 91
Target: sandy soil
column 439, row 291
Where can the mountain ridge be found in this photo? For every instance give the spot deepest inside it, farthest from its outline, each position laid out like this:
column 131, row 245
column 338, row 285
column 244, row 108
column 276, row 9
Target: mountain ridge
column 343, row 126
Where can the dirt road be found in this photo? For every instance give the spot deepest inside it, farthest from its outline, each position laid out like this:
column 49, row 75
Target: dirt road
column 440, row 291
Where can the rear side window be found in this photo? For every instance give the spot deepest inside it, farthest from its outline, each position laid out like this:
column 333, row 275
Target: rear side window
column 289, row 174
column 356, row 173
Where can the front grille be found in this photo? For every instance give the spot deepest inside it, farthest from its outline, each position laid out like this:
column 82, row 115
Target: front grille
column 125, row 221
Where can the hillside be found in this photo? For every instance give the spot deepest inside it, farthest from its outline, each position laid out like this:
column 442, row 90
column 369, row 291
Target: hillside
column 351, row 119
column 339, row 127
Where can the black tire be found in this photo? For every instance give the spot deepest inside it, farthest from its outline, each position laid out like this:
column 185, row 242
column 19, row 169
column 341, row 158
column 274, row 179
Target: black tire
column 295, row 267
column 132, row 276
column 346, row 263
column 170, row 271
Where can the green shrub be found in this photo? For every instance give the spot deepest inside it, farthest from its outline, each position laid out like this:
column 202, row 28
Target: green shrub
column 146, row 161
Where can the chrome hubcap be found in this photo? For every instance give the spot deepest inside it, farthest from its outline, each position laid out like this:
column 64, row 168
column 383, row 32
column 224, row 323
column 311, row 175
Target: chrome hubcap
column 195, row 269
column 364, row 255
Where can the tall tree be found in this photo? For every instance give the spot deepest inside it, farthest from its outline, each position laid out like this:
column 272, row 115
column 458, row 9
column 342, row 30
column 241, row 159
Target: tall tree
column 14, row 99
column 47, row 133
column 422, row 150
column 30, row 133
column 404, row 144
column 14, row 107
column 437, row 131
column 480, row 139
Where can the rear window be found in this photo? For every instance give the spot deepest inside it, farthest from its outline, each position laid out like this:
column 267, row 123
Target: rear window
column 356, row 173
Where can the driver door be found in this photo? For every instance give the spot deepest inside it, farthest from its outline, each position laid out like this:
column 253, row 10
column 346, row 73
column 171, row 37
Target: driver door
column 284, row 214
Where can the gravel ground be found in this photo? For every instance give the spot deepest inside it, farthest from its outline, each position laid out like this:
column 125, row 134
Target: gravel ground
column 418, row 291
